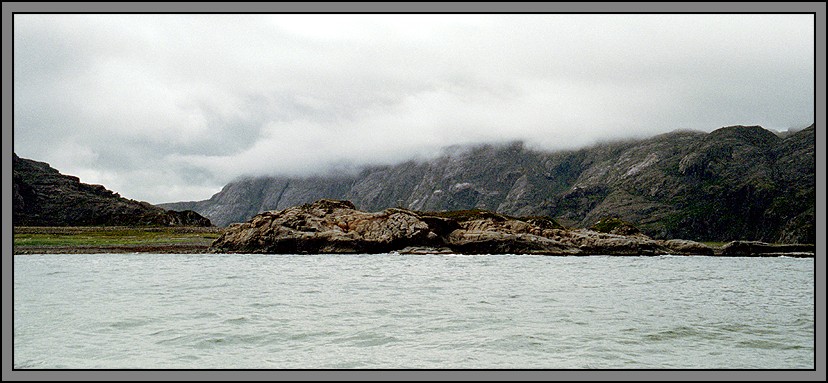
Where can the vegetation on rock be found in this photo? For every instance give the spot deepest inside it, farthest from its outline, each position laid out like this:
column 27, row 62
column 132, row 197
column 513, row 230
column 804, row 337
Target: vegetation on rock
column 615, row 225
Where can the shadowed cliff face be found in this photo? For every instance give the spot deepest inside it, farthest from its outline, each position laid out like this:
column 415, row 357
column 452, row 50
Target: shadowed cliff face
column 734, row 183
column 44, row 197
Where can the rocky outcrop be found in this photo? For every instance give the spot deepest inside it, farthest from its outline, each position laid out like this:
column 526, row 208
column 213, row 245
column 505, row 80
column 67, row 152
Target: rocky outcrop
column 736, row 182
column 332, row 226
column 759, row 249
column 327, row 226
column 44, row 197
column 682, row 246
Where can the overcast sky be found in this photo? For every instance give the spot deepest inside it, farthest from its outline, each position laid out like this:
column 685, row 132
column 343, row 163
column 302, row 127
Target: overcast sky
column 165, row 108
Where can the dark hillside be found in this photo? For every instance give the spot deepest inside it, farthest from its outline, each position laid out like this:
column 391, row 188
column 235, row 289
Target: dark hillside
column 44, row 197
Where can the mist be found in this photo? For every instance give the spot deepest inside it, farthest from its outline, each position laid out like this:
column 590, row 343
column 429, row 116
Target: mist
column 166, row 108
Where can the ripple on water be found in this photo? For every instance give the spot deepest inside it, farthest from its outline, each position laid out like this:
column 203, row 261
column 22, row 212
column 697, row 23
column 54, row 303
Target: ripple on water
column 366, row 339
column 127, row 324
column 203, row 315
column 765, row 344
column 213, row 340
column 310, row 335
column 346, row 365
column 678, row 332
column 239, row 320
column 411, row 312
column 187, row 358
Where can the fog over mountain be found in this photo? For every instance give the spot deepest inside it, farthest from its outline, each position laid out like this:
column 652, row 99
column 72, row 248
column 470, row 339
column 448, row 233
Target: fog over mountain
column 738, row 182
column 172, row 107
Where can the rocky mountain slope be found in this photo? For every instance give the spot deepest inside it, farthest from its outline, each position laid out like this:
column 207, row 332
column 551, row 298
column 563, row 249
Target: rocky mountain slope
column 735, row 183
column 44, row 197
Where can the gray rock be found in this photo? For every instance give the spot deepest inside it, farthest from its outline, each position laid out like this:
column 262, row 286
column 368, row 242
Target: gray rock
column 685, row 247
column 762, row 249
column 326, row 226
column 425, row 250
column 735, row 182
column 331, row 226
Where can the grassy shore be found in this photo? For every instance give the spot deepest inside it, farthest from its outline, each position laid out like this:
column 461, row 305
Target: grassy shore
column 130, row 239
column 113, row 239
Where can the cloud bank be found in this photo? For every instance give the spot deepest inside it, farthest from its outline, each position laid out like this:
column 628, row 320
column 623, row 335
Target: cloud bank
column 168, row 108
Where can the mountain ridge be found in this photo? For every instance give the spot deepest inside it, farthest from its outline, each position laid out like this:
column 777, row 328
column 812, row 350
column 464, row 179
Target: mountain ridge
column 734, row 183
column 42, row 196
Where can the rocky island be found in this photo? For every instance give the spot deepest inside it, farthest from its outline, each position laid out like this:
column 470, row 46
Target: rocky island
column 336, row 226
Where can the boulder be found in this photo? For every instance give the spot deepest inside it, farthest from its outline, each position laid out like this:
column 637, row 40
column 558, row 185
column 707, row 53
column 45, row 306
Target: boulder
column 685, row 247
column 327, row 226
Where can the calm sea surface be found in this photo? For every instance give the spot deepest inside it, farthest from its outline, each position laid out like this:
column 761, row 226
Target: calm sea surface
column 162, row 311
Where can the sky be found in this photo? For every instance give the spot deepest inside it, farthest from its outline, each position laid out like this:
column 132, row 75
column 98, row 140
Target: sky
column 171, row 107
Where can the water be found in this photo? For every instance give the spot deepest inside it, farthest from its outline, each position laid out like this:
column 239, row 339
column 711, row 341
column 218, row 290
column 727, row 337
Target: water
column 162, row 311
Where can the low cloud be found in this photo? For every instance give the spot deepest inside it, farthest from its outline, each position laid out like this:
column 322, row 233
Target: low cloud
column 171, row 107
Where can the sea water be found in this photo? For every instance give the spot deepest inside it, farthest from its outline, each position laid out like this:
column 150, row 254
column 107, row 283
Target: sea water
column 388, row 311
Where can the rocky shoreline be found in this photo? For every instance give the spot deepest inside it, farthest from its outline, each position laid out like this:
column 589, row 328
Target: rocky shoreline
column 334, row 226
